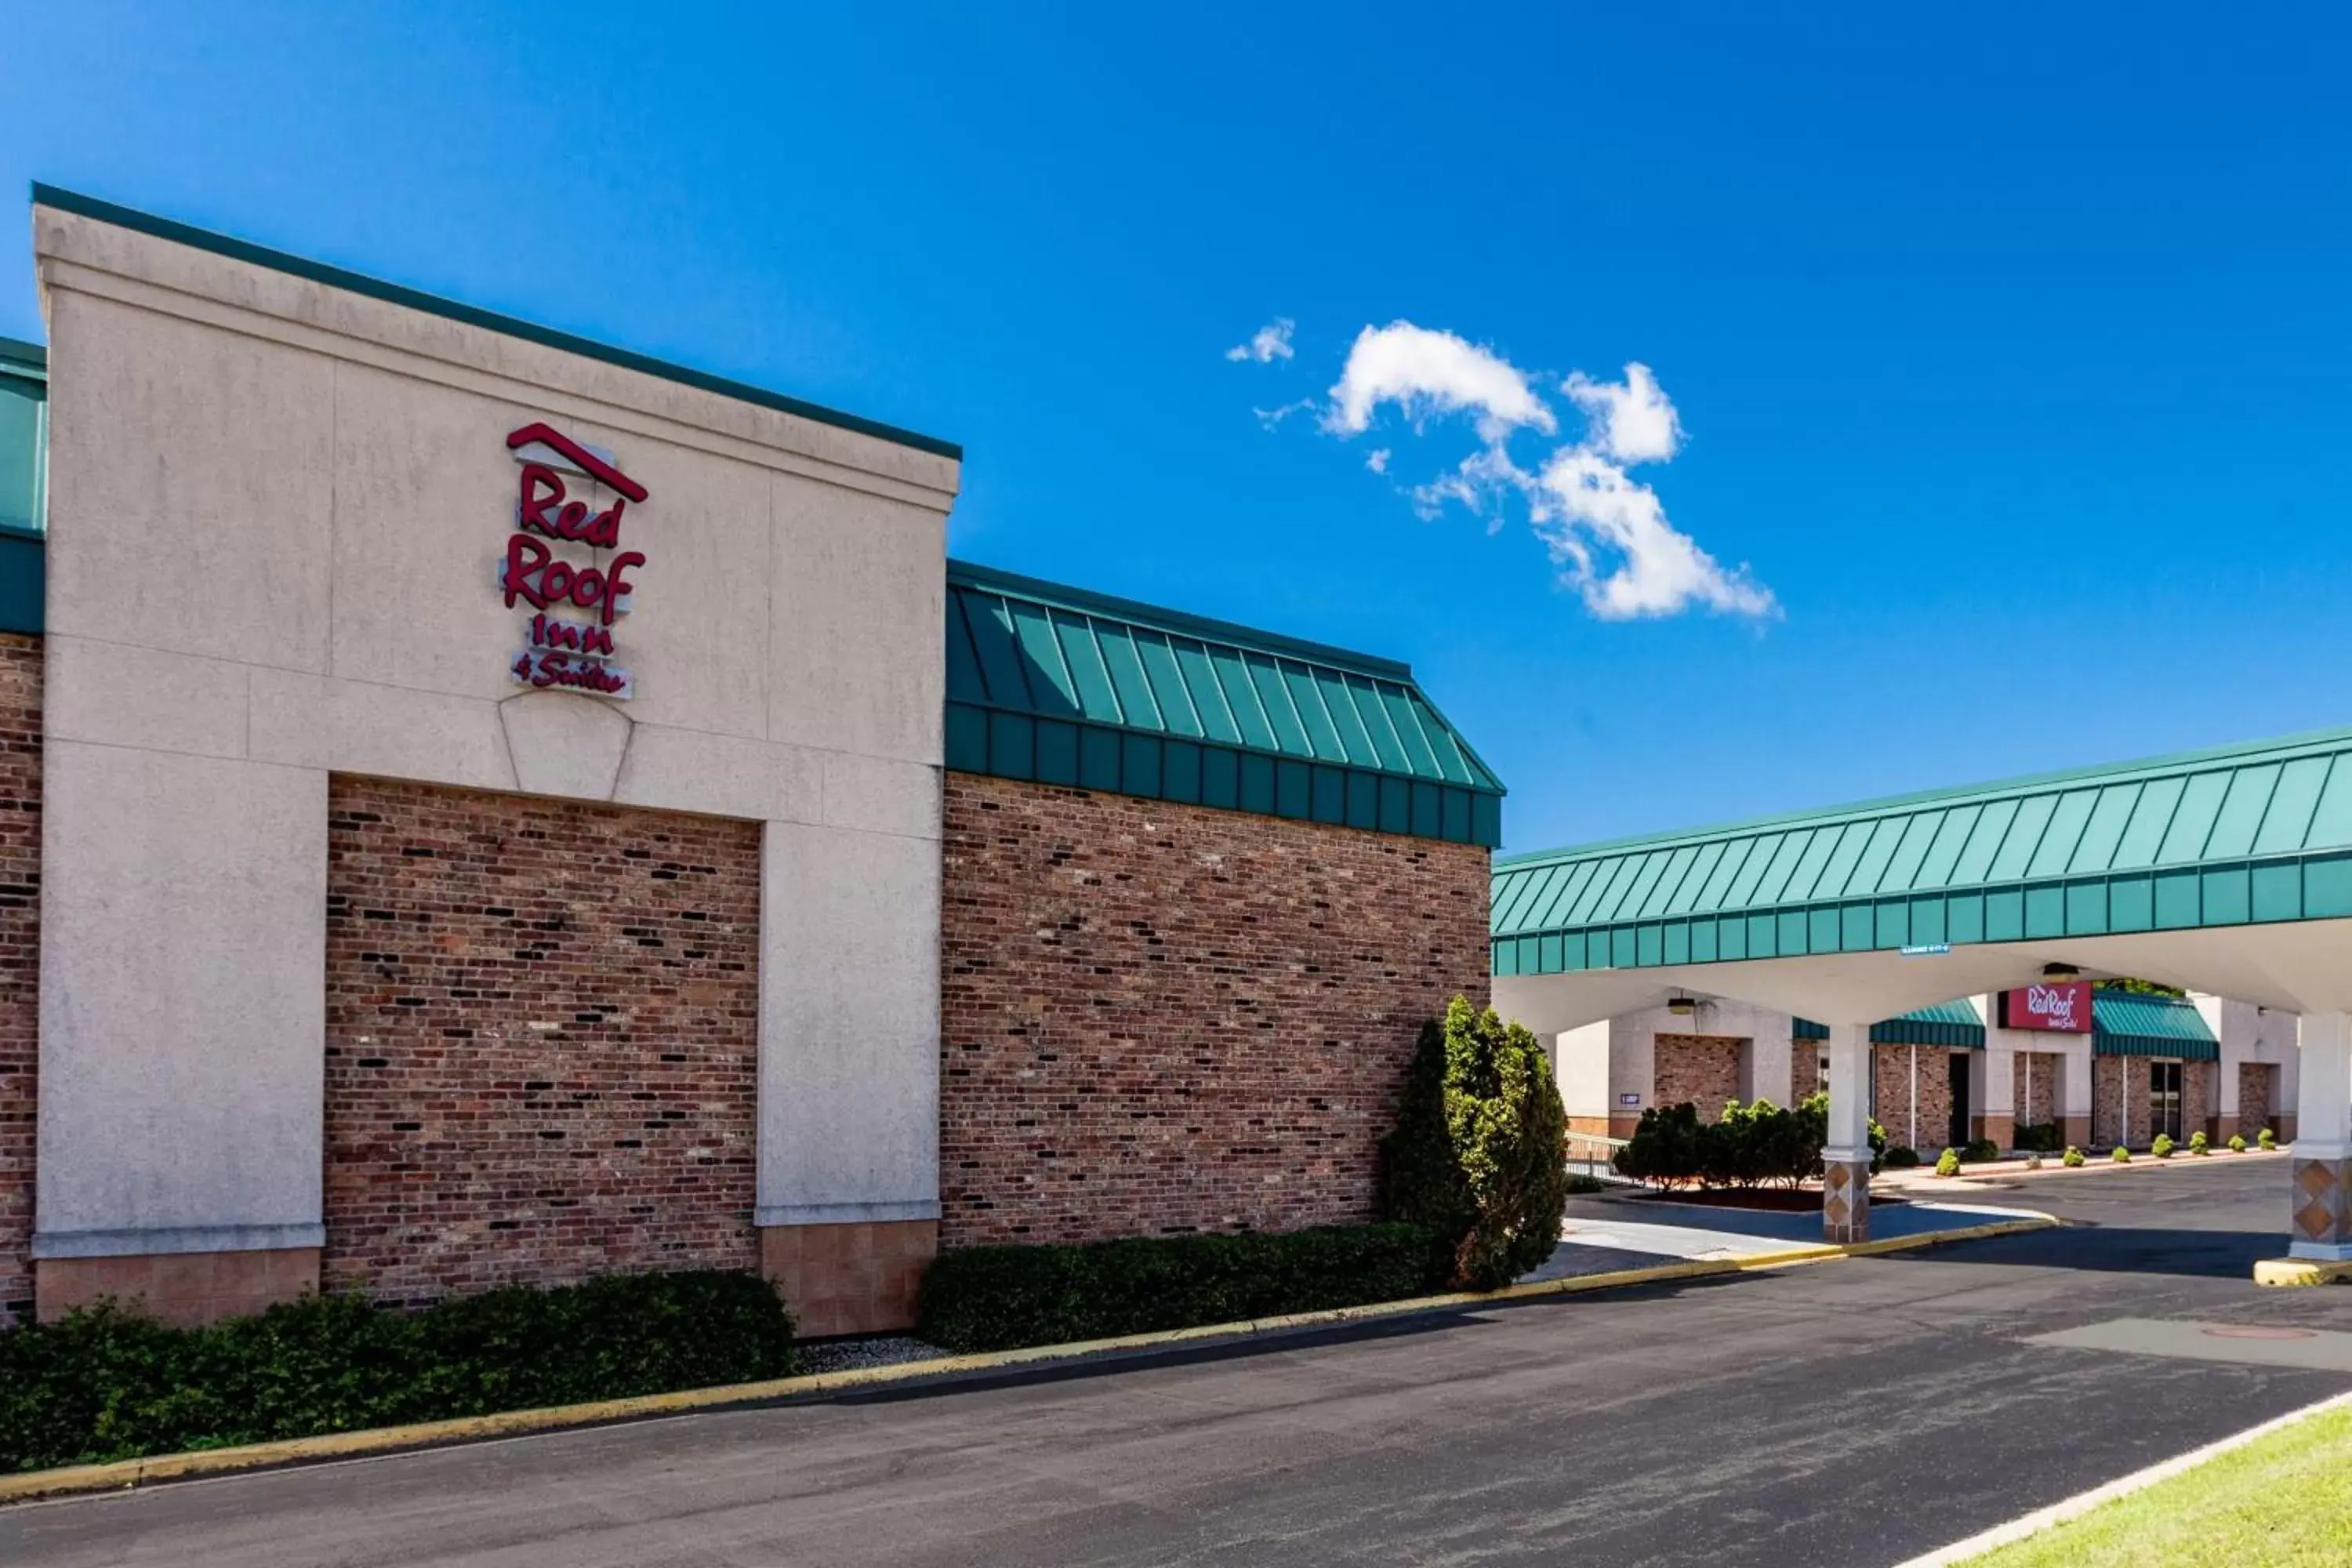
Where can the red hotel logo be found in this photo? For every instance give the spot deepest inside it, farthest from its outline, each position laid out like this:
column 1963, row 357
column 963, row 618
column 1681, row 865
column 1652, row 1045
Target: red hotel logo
column 2063, row 1009
column 564, row 653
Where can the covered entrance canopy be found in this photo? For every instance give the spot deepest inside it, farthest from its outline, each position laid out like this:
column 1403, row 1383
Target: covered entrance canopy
column 2227, row 871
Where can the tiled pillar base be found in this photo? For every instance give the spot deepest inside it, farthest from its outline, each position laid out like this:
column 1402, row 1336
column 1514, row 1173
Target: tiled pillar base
column 2321, row 1224
column 2001, row 1129
column 2077, row 1130
column 183, row 1289
column 1845, row 1200
column 858, row 1277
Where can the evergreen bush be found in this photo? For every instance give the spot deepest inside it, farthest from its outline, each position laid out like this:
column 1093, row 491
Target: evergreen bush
column 110, row 1383
column 1947, row 1164
column 2267, row 1139
column 1475, row 1152
column 1976, row 1151
column 2198, row 1144
column 2163, row 1146
column 2122, row 1156
column 2237, row 1144
column 1901, row 1157
column 1753, row 1145
column 2038, row 1137
column 2072, row 1159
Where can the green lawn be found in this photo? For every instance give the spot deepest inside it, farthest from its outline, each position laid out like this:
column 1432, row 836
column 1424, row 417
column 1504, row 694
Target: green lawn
column 2283, row 1502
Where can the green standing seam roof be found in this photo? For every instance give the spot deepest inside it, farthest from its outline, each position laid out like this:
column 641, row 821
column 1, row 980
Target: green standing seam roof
column 2237, row 835
column 1061, row 686
column 1955, row 1025
column 24, row 483
column 2133, row 1024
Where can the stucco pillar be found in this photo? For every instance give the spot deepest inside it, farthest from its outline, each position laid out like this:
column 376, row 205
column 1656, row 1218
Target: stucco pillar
column 2074, row 1101
column 1580, row 1066
column 181, row 1116
column 2321, row 1225
column 1767, row 1069
column 1992, row 1084
column 1846, row 1155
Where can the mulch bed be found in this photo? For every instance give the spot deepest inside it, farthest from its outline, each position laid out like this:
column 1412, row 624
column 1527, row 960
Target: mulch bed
column 1777, row 1200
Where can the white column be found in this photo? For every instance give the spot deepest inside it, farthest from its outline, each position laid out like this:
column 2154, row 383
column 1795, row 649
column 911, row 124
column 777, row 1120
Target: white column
column 1846, row 1152
column 2074, row 1104
column 2321, row 1193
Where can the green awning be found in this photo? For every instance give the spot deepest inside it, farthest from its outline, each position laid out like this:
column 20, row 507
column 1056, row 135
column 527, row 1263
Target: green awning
column 2134, row 1024
column 1062, row 686
column 1954, row 1025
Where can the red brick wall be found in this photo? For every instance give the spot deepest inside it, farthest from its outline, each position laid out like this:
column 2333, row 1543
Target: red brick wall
column 541, row 1040
column 20, row 962
column 1893, row 1065
column 1157, row 1017
column 1702, row 1069
column 2257, row 1093
column 2198, row 1099
column 1804, row 1070
column 2119, row 1108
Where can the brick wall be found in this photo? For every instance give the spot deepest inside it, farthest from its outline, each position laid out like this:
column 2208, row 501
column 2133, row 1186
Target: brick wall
column 1933, row 1121
column 541, row 1040
column 1804, row 1070
column 1157, row 1017
column 2257, row 1097
column 2119, row 1107
column 2039, row 1074
column 2199, row 1100
column 20, row 962
column 1702, row 1069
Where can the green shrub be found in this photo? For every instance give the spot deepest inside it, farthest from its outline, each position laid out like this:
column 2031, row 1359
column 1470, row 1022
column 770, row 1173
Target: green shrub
column 2267, row 1139
column 1947, row 1164
column 1003, row 1298
column 110, row 1383
column 2122, row 1156
column 2198, row 1144
column 2038, row 1138
column 1759, row 1144
column 1901, row 1157
column 2072, row 1159
column 1476, row 1153
column 1976, row 1151
column 2237, row 1144
column 2163, row 1146
column 1580, row 1185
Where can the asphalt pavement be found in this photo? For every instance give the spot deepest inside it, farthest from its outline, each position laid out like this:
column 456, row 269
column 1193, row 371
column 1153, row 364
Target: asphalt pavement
column 1856, row 1413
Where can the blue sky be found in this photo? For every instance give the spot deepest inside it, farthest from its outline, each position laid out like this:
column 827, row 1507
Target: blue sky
column 2008, row 347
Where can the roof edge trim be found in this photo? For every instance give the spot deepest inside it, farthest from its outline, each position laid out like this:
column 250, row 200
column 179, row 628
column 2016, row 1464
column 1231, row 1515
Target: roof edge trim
column 399, row 294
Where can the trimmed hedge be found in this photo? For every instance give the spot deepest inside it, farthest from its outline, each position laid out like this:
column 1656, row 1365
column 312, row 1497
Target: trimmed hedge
column 1750, row 1145
column 111, row 1384
column 1005, row 1298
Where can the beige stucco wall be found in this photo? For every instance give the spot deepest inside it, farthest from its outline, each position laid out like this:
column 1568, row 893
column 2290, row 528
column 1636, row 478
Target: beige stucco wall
column 275, row 512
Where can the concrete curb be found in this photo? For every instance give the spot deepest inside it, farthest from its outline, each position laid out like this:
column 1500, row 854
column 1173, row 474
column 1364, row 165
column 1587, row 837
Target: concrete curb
column 126, row 1474
column 1960, row 1551
column 2300, row 1271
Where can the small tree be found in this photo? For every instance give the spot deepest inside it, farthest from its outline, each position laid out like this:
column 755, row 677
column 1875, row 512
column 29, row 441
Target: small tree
column 1476, row 1154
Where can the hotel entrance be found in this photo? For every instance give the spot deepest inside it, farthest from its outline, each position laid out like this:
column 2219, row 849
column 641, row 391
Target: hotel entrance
column 2164, row 1101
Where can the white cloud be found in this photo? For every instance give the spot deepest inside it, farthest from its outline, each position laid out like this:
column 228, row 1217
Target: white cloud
column 1268, row 343
column 1632, row 420
column 1607, row 532
column 1425, row 373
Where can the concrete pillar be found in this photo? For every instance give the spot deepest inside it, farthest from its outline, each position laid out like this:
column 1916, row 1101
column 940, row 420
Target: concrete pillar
column 1580, row 1065
column 2321, row 1225
column 1846, row 1155
column 1767, row 1069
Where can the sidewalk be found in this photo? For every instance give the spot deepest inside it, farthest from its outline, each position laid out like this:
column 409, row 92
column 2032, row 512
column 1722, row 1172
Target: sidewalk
column 1598, row 1238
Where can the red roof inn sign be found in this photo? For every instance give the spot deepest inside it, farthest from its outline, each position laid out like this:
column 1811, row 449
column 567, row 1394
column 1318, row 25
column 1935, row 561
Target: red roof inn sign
column 569, row 638
column 2062, row 1009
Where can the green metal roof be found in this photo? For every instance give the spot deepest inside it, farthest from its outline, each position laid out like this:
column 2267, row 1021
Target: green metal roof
column 509, row 326
column 2235, row 834
column 1062, row 686
column 24, row 482
column 2129, row 1024
column 1955, row 1024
